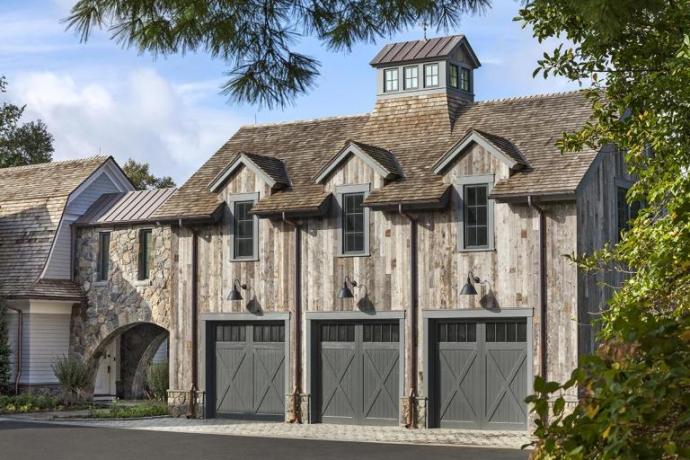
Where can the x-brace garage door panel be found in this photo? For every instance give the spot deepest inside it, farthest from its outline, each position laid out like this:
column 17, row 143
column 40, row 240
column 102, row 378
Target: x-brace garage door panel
column 480, row 374
column 249, row 369
column 358, row 372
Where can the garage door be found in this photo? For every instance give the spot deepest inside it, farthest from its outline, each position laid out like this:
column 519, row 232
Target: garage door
column 249, row 370
column 480, row 374
column 358, row 372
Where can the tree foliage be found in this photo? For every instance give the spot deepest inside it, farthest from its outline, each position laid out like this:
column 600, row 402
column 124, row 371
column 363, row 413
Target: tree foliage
column 22, row 143
column 5, row 352
column 142, row 178
column 636, row 388
column 259, row 38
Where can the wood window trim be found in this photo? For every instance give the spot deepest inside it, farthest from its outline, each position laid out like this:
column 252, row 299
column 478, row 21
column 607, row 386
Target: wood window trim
column 460, row 184
column 461, row 72
column 339, row 192
column 231, row 201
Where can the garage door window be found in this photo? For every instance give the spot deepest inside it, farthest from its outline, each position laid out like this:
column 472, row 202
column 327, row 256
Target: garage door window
column 230, row 333
column 269, row 333
column 381, row 333
column 332, row 332
column 457, row 332
column 508, row 331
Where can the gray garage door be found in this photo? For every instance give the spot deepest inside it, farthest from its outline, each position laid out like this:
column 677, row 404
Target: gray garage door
column 480, row 374
column 358, row 372
column 249, row 370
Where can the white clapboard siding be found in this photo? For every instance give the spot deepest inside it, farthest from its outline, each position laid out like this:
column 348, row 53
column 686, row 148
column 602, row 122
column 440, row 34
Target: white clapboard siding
column 12, row 320
column 46, row 338
column 58, row 266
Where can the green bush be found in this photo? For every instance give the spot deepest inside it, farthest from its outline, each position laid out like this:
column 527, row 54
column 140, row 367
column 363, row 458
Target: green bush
column 27, row 403
column 158, row 381
column 73, row 376
column 131, row 411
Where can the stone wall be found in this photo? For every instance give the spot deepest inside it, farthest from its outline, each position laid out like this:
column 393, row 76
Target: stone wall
column 122, row 301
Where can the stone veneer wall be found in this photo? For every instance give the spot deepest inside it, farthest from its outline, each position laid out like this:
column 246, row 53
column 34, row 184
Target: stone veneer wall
column 122, row 301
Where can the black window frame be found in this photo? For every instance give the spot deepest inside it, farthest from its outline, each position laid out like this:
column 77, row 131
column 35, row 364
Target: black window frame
column 103, row 258
column 395, row 71
column 145, row 254
column 465, row 79
column 437, row 75
column 416, row 77
column 453, row 76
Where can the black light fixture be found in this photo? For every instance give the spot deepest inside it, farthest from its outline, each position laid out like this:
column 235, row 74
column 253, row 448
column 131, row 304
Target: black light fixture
column 235, row 294
column 468, row 288
column 345, row 292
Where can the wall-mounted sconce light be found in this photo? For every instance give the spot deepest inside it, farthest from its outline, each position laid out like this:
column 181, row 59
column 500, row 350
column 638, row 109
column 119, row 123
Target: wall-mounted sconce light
column 235, row 293
column 468, row 288
column 345, row 292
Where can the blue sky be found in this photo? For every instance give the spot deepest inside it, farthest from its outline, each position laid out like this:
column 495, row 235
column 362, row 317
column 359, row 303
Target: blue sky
column 100, row 98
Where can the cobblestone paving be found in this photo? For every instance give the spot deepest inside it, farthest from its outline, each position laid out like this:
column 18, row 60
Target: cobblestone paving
column 477, row 438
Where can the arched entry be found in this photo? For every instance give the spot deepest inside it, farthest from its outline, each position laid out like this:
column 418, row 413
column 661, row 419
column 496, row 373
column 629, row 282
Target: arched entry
column 119, row 364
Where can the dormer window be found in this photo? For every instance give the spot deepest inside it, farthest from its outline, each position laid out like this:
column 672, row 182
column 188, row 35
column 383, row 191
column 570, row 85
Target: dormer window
column 411, row 76
column 453, row 76
column 465, row 83
column 430, row 75
column 391, row 80
column 353, row 220
column 244, row 227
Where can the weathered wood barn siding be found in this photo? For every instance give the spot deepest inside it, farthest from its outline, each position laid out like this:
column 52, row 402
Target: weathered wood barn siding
column 597, row 223
column 511, row 268
column 383, row 275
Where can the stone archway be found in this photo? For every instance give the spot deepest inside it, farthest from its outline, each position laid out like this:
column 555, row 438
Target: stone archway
column 137, row 343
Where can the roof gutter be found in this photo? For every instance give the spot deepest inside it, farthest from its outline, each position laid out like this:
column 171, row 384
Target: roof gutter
column 543, row 300
column 411, row 320
column 296, row 416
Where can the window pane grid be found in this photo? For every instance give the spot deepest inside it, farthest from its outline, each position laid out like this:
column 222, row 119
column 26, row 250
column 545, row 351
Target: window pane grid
column 332, row 332
column 243, row 230
column 459, row 331
column 476, row 226
column 269, row 333
column 453, row 75
column 431, row 75
column 388, row 332
column 145, row 253
column 465, row 79
column 391, row 80
column 103, row 261
column 353, row 223
column 506, row 331
column 411, row 77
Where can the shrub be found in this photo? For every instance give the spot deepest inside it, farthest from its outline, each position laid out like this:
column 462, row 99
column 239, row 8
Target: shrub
column 73, row 376
column 131, row 411
column 158, row 381
column 27, row 403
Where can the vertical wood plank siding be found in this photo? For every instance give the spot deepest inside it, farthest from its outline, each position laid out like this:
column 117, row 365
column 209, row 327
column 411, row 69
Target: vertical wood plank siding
column 511, row 269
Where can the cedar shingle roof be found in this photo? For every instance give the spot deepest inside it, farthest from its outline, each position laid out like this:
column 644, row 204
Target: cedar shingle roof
column 418, row 50
column 32, row 201
column 272, row 168
column 419, row 130
column 125, row 207
column 380, row 159
column 310, row 200
column 382, row 156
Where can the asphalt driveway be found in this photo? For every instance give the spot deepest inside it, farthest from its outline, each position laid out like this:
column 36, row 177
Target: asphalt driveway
column 37, row 441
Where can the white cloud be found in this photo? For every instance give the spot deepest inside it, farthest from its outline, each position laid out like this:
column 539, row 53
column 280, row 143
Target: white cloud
column 139, row 115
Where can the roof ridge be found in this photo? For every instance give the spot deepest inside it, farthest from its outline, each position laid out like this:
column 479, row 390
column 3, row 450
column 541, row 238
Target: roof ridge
column 530, row 96
column 309, row 120
column 56, row 163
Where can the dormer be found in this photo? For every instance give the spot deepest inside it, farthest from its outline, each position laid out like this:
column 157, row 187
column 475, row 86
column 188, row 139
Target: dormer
column 436, row 65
